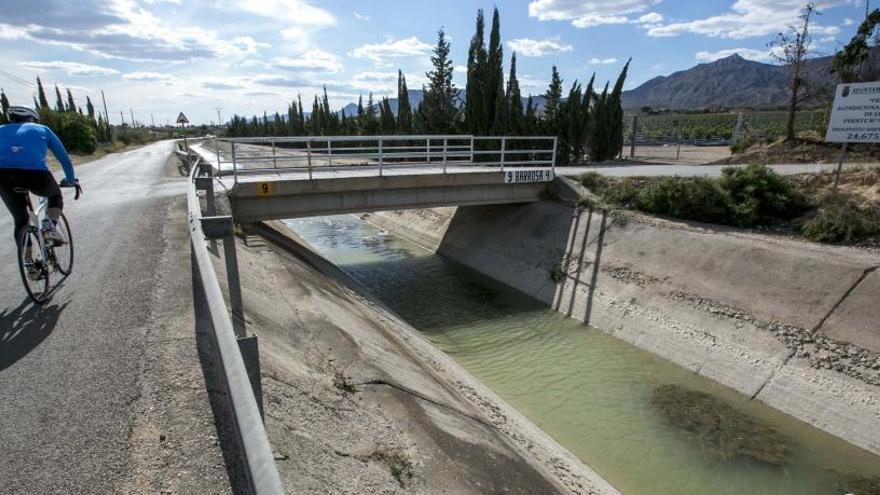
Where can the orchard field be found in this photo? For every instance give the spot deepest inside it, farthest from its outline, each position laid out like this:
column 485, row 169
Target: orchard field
column 765, row 125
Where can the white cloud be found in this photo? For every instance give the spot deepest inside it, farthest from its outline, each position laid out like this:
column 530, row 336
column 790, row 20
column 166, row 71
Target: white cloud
column 747, row 53
column 149, row 77
column 359, row 16
column 314, row 60
column 749, row 18
column 377, row 82
column 70, row 68
column 583, row 14
column 294, row 12
column 650, row 18
column 538, row 48
column 379, row 52
column 848, row 22
column 602, row 61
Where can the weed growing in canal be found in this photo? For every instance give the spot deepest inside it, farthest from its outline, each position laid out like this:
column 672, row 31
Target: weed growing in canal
column 343, row 382
column 398, row 463
column 860, row 485
column 722, row 431
column 557, row 274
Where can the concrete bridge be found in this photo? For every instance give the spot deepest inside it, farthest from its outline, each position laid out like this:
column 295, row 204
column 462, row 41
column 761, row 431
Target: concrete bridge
column 290, row 177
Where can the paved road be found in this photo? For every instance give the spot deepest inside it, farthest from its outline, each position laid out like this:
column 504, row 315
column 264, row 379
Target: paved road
column 101, row 389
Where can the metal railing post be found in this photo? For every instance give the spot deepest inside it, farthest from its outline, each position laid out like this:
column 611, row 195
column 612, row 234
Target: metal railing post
column 274, row 162
column 234, row 165
column 309, row 156
column 217, row 147
column 381, row 157
column 472, row 150
column 553, row 164
column 234, row 282
column 503, row 149
column 428, row 149
column 329, row 153
column 444, row 155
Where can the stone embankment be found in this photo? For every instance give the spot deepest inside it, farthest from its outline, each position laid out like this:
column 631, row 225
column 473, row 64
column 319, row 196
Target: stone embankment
column 789, row 323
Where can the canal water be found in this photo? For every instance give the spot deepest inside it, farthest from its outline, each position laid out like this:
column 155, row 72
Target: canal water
column 610, row 403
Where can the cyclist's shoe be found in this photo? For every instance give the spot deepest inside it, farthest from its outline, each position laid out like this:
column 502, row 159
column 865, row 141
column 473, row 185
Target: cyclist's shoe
column 51, row 234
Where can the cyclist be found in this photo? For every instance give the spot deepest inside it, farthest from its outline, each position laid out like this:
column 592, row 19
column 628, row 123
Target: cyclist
column 23, row 145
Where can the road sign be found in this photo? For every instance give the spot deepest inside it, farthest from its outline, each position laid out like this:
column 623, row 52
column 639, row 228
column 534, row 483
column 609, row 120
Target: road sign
column 181, row 119
column 855, row 116
column 527, row 175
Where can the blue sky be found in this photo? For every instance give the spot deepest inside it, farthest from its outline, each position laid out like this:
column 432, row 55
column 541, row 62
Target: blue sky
column 161, row 57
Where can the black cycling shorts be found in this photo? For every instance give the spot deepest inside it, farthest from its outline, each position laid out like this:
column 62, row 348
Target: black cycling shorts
column 39, row 182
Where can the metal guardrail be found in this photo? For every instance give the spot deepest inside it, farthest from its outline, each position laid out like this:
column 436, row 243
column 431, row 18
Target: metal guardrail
column 315, row 152
column 260, row 468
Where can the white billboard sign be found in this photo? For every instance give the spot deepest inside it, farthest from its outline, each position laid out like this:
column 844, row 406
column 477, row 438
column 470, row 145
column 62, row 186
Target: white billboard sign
column 516, row 176
column 855, row 117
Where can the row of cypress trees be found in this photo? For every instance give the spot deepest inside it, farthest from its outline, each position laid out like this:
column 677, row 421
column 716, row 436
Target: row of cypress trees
column 587, row 123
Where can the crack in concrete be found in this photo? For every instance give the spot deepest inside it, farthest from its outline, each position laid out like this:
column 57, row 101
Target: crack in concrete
column 425, row 398
column 846, row 294
column 773, row 375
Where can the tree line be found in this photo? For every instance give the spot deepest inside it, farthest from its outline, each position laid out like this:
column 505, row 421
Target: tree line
column 587, row 123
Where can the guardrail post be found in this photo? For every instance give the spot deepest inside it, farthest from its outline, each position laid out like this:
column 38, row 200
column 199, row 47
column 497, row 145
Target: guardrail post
column 472, row 149
column 234, row 165
column 503, row 149
column 309, row 156
column 553, row 165
column 381, row 157
column 222, row 228
column 206, row 183
column 445, row 153
column 329, row 154
column 428, row 150
column 274, row 162
column 217, row 148
column 250, row 354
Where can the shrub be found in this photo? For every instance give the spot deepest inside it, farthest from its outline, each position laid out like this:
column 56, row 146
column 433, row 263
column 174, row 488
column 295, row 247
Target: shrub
column 747, row 140
column 76, row 131
column 697, row 198
column 759, row 195
column 622, row 192
column 840, row 222
column 594, row 181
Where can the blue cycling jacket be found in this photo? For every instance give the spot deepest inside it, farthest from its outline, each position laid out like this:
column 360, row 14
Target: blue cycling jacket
column 24, row 146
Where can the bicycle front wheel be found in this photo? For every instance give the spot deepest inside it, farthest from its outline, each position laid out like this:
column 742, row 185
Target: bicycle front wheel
column 32, row 265
column 63, row 254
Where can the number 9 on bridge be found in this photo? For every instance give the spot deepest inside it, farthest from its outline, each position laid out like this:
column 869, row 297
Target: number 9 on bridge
column 264, row 189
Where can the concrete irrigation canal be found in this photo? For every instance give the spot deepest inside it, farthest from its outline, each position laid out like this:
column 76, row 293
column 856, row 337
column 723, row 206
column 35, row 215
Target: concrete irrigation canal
column 643, row 423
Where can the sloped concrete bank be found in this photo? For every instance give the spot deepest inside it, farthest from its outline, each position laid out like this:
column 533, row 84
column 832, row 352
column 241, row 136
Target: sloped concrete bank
column 357, row 401
column 788, row 323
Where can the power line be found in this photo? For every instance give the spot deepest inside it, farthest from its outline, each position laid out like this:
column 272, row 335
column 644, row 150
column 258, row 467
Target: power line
column 14, row 78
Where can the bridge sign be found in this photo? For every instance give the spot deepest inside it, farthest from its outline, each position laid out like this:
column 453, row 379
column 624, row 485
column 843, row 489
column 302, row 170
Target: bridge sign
column 527, row 175
column 855, row 116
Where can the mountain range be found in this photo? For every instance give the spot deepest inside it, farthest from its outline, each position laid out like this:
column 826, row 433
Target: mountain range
column 730, row 83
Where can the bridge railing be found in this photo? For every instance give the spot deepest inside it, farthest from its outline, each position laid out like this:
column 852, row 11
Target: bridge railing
column 315, row 153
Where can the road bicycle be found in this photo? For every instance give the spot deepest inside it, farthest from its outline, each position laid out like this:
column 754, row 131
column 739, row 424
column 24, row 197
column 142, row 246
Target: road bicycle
column 39, row 258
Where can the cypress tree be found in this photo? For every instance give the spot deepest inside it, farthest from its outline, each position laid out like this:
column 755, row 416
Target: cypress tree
column 315, row 121
column 599, row 149
column 59, row 102
column 404, row 109
column 513, row 100
column 530, row 120
column 616, row 114
column 371, row 124
column 474, row 104
column 494, row 97
column 44, row 102
column 71, row 105
column 37, row 104
column 91, row 110
column 4, row 105
column 301, row 117
column 554, row 96
column 387, row 124
column 437, row 111
column 291, row 118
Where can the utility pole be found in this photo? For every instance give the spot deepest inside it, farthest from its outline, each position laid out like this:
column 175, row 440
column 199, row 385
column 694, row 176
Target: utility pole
column 122, row 117
column 152, row 121
column 219, row 120
column 133, row 123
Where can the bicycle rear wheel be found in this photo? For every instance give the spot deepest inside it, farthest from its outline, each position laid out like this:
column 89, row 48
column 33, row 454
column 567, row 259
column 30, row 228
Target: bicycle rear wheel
column 32, row 265
column 62, row 255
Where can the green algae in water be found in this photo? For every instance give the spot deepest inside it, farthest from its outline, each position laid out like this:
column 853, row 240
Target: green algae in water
column 721, row 431
column 857, row 484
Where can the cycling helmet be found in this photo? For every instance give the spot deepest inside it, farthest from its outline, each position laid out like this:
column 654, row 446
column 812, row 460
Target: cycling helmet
column 22, row 114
